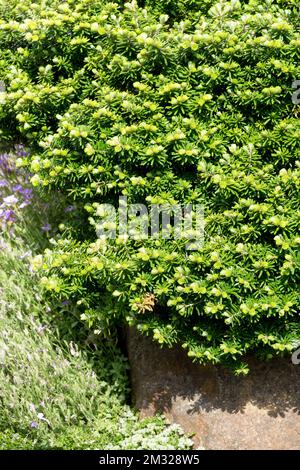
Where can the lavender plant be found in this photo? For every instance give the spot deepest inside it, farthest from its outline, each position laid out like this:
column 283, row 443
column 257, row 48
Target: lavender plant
column 15, row 188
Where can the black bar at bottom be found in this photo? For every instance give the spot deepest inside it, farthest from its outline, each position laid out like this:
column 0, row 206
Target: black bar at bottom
column 137, row 459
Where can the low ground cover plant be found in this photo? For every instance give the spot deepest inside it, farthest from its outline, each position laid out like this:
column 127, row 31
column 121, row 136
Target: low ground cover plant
column 60, row 388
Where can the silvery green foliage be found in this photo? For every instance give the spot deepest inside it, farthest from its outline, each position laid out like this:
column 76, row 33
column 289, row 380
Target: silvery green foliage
column 168, row 102
column 57, row 394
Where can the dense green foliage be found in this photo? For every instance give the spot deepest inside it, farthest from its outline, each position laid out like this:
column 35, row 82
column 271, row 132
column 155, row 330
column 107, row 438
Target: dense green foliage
column 167, row 102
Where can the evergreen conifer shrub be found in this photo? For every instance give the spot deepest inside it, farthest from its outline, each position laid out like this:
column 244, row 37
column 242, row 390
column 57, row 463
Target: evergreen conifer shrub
column 175, row 102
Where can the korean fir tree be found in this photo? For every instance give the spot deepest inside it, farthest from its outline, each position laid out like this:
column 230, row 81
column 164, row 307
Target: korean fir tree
column 176, row 102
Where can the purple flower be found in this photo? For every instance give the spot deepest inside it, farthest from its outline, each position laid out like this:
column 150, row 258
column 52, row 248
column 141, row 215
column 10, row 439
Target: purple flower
column 17, row 188
column 3, row 183
column 8, row 215
column 20, row 150
column 5, row 163
column 33, row 424
column 26, row 192
column 46, row 228
column 10, row 200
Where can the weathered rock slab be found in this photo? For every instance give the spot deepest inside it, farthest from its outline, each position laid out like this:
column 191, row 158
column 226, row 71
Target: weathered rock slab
column 260, row 411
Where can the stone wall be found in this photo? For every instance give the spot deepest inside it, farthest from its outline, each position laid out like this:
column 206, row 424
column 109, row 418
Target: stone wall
column 260, row 411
